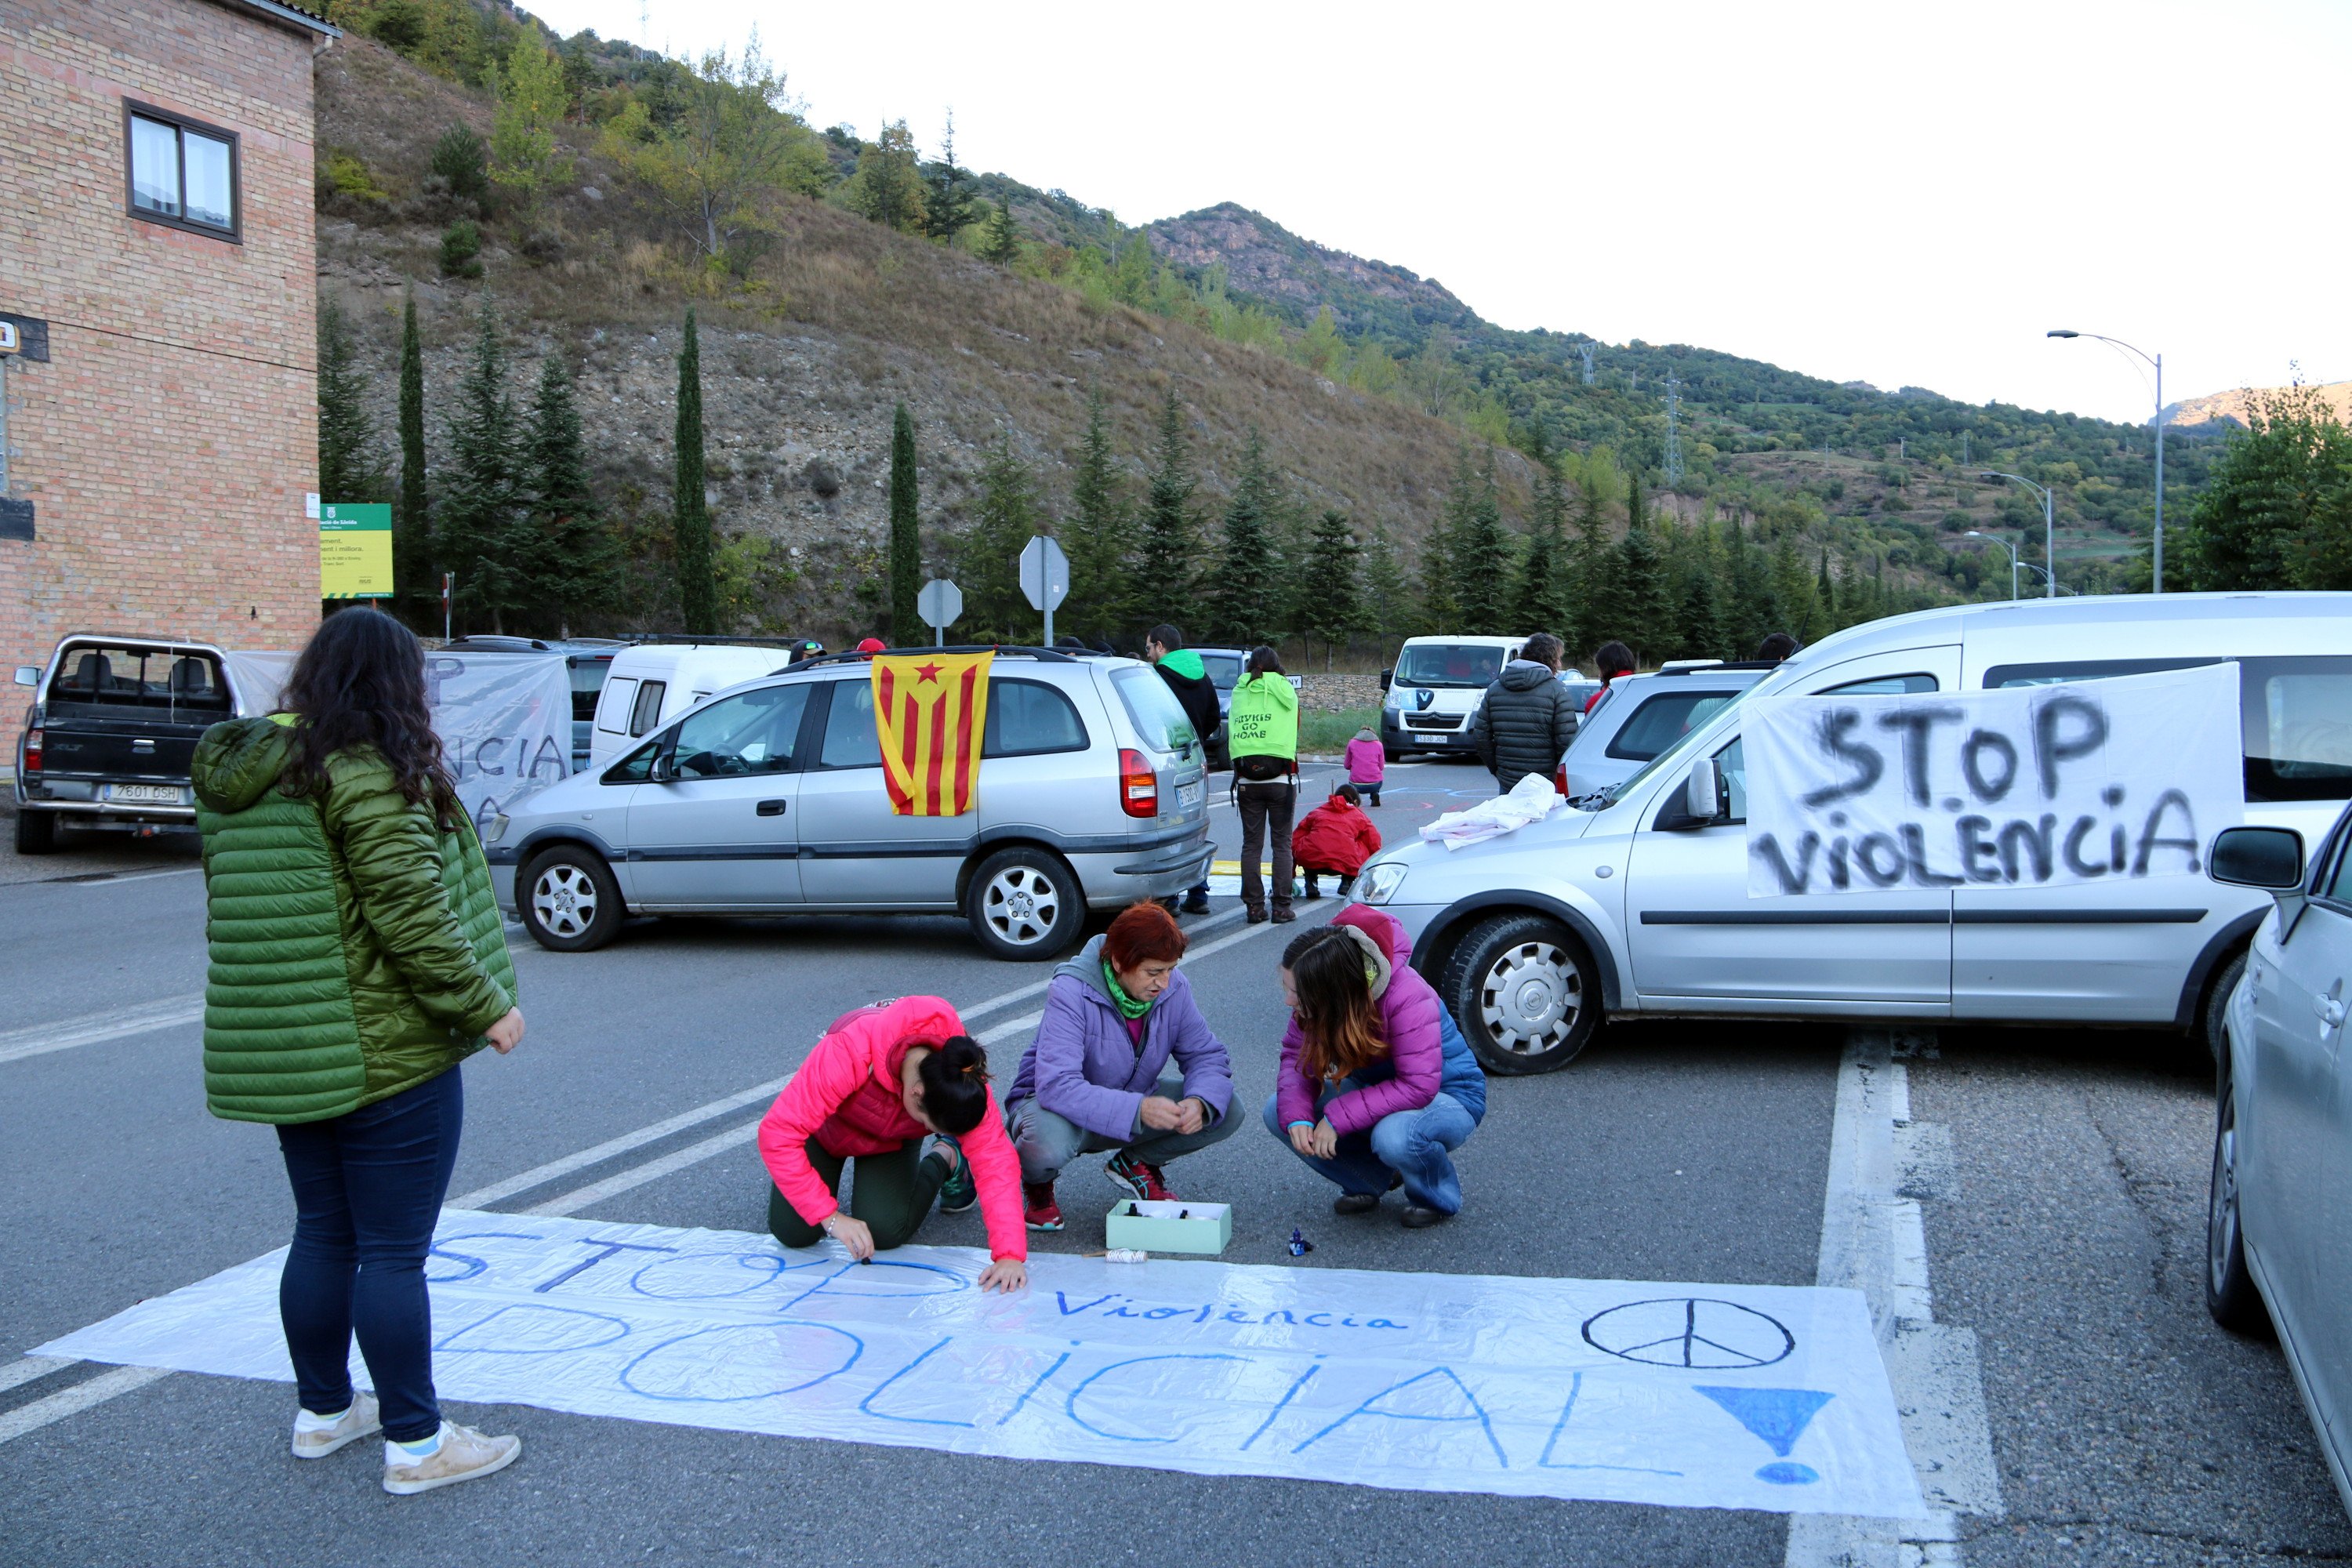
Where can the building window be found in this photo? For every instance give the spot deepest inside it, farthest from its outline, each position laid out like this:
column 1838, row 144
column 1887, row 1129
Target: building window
column 180, row 173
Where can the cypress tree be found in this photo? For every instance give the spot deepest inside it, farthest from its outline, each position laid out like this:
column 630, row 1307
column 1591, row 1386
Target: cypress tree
column 1826, row 591
column 1163, row 584
column 411, row 539
column 906, row 533
column 1240, row 599
column 697, row 587
column 481, row 508
column 572, row 564
column 1097, row 532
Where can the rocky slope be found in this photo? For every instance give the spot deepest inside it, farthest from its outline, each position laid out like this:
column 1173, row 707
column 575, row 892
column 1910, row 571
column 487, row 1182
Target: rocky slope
column 2227, row 409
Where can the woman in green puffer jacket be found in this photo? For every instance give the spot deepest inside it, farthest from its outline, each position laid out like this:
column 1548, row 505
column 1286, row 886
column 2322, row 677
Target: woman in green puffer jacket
column 357, row 958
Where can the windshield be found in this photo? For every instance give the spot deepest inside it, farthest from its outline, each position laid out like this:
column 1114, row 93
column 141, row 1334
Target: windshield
column 1449, row 665
column 1223, row 669
column 1667, row 758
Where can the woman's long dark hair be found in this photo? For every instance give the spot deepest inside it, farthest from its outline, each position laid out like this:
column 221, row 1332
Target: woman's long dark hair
column 955, row 1085
column 360, row 682
column 1336, row 1011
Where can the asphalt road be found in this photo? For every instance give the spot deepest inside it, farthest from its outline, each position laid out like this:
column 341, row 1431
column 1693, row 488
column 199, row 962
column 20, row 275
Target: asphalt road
column 2065, row 1232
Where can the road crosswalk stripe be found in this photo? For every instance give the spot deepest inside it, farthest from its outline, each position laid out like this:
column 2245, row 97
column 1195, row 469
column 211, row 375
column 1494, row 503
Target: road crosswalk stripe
column 40, row 1039
column 79, row 1397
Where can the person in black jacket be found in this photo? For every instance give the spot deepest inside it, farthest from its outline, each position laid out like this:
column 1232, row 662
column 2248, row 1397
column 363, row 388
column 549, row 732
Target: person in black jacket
column 1528, row 717
column 1182, row 668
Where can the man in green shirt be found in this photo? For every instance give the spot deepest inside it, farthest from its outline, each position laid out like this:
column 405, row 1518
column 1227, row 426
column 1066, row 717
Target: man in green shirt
column 1263, row 723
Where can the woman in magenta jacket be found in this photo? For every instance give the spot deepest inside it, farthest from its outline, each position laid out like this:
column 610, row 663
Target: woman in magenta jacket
column 1377, row 1086
column 883, row 1079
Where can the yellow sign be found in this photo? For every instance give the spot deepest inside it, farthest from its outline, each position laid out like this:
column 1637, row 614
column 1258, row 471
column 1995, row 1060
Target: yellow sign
column 355, row 552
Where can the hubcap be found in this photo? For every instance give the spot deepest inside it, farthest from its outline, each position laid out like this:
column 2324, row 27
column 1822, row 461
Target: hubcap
column 564, row 900
column 1021, row 905
column 1531, row 998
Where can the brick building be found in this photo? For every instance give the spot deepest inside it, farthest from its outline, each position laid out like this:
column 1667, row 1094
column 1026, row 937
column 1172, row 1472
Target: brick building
column 158, row 258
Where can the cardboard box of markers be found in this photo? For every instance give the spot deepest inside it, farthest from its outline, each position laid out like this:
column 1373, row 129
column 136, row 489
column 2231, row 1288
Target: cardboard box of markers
column 1169, row 1226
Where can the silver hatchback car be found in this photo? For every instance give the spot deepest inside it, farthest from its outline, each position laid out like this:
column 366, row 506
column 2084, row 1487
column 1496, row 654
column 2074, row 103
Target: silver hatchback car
column 768, row 798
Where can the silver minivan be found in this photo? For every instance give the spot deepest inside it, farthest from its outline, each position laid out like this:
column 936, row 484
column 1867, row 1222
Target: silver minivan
column 768, row 798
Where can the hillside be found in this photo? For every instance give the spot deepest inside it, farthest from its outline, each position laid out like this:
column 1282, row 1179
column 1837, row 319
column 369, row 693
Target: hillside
column 2226, row 409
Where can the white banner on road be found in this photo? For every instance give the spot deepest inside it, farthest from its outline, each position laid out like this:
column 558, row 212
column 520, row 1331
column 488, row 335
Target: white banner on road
column 1752, row 1396
column 504, row 718
column 2034, row 785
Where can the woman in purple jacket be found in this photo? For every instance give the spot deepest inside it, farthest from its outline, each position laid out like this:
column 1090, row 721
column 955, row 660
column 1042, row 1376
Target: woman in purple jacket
column 1097, row 1076
column 1377, row 1086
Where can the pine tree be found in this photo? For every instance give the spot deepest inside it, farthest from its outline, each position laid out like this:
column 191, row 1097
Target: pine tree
column 1826, row 591
column 989, row 555
column 1098, row 539
column 350, row 465
column 1442, row 563
column 697, row 586
column 481, row 507
column 1330, row 594
column 1164, row 572
column 1642, row 605
column 1440, row 612
column 572, row 563
column 1794, row 588
column 412, row 536
column 947, row 201
column 1755, row 610
column 1539, row 604
column 1241, row 598
column 1001, row 241
column 1387, row 597
column 1483, row 563
column 906, row 533
column 1698, row 619
column 887, row 186
column 1293, row 533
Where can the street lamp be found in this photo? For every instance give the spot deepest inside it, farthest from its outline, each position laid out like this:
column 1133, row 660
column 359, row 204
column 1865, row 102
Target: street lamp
column 2048, row 525
column 2156, row 560
column 2005, row 544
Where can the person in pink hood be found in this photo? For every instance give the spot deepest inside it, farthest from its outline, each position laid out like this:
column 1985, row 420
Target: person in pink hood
column 1377, row 1086
column 882, row 1079
column 1367, row 764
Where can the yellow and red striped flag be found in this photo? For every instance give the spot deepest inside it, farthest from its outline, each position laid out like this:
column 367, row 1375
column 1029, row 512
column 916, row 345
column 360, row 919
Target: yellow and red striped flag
column 929, row 710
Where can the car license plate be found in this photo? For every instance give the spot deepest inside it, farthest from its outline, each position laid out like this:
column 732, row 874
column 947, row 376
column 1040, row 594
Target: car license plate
column 1188, row 795
column 155, row 794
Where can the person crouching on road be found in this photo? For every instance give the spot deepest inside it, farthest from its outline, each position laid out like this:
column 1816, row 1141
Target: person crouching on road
column 1368, row 764
column 1097, row 1075
column 1376, row 1085
column 357, row 959
column 1335, row 839
column 882, row 1078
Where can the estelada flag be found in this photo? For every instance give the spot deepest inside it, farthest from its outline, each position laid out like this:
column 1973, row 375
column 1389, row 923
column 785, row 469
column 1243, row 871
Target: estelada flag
column 929, row 710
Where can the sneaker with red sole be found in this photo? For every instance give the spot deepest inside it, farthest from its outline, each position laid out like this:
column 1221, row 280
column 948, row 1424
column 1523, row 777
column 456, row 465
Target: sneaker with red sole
column 1138, row 1179
column 1038, row 1207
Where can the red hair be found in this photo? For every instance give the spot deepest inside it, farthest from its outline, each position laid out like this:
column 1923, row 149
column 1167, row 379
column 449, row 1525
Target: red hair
column 1143, row 933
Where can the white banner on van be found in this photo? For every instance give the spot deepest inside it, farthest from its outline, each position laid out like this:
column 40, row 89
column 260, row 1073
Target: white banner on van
column 504, row 718
column 2036, row 785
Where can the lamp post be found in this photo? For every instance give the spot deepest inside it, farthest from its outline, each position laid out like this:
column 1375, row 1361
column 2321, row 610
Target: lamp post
column 2155, row 560
column 2005, row 544
column 2049, row 524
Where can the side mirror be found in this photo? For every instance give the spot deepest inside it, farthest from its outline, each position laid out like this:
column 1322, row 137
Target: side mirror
column 1703, row 793
column 28, row 675
column 2266, row 858
column 1387, row 678
column 662, row 768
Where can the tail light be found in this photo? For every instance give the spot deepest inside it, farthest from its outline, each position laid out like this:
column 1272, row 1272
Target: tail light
column 1139, row 784
column 32, row 750
column 1560, row 779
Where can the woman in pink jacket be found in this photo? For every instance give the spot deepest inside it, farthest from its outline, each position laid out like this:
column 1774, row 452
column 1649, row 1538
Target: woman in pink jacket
column 1377, row 1086
column 883, row 1079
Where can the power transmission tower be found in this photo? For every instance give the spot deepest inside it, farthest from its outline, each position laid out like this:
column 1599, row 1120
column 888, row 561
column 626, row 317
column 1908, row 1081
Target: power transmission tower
column 1584, row 351
column 1674, row 432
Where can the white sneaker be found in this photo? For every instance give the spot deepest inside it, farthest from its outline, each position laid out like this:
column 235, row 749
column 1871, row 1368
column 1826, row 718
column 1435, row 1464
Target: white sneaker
column 464, row 1455
column 360, row 1421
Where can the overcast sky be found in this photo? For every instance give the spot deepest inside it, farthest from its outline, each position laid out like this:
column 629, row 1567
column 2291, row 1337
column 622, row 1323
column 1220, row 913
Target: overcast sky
column 1901, row 193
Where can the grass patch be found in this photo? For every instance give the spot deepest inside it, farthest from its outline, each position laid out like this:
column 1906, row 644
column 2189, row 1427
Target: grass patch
column 1332, row 731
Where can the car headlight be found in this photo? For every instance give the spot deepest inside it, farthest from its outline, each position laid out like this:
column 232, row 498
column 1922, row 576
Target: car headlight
column 1379, row 881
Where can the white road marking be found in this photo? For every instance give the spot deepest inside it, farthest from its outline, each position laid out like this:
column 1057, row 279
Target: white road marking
column 40, row 1039
column 29, row 1368
column 79, row 1397
column 1874, row 1241
column 115, row 879
column 538, row 1175
column 651, row 1170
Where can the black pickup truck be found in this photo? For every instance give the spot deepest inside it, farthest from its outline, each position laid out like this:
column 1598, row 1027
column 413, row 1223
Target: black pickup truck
column 108, row 740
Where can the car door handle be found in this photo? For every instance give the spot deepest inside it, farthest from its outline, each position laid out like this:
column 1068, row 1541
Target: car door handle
column 2330, row 1010
column 772, row 808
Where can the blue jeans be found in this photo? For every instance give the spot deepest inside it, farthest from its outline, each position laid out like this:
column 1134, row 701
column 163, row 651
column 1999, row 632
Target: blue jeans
column 1414, row 1144
column 367, row 1190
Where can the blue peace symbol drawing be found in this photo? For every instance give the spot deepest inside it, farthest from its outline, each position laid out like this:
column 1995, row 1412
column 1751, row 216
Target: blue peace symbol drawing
column 1696, row 1332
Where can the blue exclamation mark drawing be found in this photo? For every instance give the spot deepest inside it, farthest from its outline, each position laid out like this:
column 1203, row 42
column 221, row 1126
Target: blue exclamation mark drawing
column 1779, row 1416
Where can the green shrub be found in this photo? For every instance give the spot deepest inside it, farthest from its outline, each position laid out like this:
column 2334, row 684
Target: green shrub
column 461, row 249
column 349, row 177
column 461, row 159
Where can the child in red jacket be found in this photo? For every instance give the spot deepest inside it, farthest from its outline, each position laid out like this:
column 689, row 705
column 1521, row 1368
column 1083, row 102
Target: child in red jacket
column 1337, row 837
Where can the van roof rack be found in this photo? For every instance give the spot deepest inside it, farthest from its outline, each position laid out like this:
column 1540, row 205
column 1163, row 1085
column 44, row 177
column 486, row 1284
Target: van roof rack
column 1042, row 654
column 1710, row 668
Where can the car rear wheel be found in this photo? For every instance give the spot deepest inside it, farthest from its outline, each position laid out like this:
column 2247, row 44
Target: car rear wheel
column 37, row 832
column 1526, row 993
column 2230, row 1294
column 569, row 900
column 1024, row 904
column 2217, row 1002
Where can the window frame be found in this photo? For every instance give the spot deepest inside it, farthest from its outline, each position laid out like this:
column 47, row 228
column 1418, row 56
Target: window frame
column 180, row 124
column 998, row 683
column 1723, row 700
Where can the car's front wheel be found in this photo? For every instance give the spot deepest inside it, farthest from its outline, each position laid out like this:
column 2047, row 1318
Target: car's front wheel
column 2230, row 1294
column 568, row 900
column 1526, row 993
column 1024, row 904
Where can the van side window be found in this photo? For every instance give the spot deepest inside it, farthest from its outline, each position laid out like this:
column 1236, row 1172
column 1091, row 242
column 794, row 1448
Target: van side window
column 1662, row 720
column 634, row 768
column 1882, row 686
column 1028, row 718
column 647, row 712
column 850, row 740
column 613, row 708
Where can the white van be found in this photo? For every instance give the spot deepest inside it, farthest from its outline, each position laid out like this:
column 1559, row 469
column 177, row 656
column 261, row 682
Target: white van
column 1436, row 685
column 1643, row 906
column 652, row 683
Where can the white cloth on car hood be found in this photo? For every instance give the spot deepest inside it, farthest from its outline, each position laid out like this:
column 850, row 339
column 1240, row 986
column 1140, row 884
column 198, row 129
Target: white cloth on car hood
column 1531, row 800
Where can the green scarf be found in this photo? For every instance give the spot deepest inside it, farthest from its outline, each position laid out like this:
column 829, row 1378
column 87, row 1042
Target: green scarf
column 1129, row 1008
